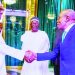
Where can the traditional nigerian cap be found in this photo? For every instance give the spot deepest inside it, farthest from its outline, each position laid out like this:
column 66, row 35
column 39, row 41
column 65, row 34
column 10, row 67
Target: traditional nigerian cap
column 34, row 18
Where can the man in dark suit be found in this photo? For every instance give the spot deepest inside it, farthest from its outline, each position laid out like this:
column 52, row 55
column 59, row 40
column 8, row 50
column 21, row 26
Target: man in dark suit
column 66, row 21
column 56, row 62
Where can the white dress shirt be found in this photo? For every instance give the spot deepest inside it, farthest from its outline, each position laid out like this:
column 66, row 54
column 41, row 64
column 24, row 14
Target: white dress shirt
column 66, row 31
column 7, row 50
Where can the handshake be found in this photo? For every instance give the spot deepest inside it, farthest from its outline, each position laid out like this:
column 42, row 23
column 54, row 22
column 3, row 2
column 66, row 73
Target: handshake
column 30, row 56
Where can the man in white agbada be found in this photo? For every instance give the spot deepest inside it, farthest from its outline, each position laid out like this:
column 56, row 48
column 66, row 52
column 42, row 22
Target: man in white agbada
column 37, row 41
column 7, row 50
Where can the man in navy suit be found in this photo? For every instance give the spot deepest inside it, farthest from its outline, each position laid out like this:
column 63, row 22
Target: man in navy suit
column 66, row 47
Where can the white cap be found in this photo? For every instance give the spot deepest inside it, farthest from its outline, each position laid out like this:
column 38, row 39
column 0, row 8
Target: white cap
column 34, row 18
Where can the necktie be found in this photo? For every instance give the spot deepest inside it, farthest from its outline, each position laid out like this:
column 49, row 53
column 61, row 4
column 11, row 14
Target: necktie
column 63, row 35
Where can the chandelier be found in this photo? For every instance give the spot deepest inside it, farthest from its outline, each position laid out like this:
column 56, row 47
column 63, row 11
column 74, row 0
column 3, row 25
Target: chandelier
column 51, row 16
column 9, row 2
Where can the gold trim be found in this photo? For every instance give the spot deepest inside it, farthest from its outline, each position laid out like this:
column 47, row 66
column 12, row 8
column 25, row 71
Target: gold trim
column 31, row 6
column 4, row 20
column 18, row 68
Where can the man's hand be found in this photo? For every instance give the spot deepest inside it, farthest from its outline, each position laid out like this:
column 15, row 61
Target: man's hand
column 30, row 56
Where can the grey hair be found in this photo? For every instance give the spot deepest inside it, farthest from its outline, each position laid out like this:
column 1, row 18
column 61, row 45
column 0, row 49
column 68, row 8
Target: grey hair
column 70, row 13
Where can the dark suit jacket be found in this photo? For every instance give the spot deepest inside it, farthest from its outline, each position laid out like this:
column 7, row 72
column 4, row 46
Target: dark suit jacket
column 58, row 38
column 56, row 61
column 67, row 54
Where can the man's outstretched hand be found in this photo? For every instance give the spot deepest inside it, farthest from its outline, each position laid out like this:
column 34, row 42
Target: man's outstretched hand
column 30, row 56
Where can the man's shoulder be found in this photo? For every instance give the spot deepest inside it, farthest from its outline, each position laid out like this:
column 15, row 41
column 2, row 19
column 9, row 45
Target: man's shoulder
column 42, row 32
column 25, row 33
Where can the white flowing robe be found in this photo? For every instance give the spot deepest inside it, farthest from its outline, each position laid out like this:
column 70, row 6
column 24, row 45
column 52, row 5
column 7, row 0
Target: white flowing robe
column 37, row 42
column 7, row 50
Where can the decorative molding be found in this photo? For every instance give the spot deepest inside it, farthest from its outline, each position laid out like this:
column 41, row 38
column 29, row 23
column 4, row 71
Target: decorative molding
column 11, row 12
